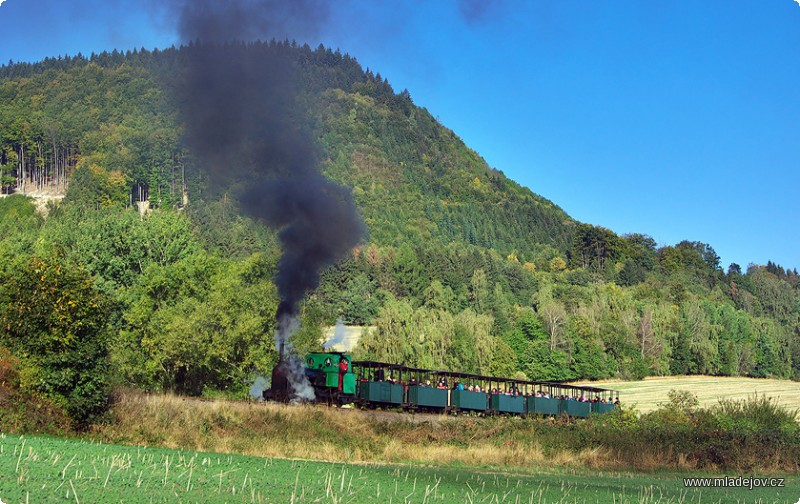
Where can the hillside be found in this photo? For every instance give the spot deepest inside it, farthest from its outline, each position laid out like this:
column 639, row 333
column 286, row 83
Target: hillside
column 459, row 267
column 403, row 166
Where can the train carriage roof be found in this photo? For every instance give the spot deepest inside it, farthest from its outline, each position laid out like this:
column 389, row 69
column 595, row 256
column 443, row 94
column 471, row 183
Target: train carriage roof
column 471, row 376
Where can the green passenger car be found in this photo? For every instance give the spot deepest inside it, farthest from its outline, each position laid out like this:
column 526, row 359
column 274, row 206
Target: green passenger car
column 576, row 408
column 466, row 400
column 391, row 384
column 601, row 407
column 380, row 392
column 544, row 406
column 501, row 403
column 427, row 397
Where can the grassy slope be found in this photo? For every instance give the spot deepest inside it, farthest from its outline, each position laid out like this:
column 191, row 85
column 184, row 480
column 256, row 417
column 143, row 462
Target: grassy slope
column 36, row 469
column 322, row 433
column 647, row 394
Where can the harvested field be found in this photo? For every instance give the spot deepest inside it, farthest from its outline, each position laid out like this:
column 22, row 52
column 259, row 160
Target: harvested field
column 647, row 394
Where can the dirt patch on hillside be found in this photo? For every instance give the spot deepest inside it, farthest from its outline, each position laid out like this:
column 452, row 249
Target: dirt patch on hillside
column 41, row 200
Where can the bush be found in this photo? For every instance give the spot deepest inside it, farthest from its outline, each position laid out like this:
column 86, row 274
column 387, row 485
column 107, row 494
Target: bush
column 756, row 414
column 749, row 434
column 20, row 409
column 53, row 319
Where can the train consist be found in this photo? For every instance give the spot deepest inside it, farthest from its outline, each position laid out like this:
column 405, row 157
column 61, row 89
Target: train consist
column 334, row 378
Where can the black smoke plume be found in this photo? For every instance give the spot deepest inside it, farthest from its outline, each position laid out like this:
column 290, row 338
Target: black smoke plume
column 220, row 21
column 244, row 127
column 318, row 226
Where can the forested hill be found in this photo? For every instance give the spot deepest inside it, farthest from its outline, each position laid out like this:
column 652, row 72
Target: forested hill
column 414, row 179
column 461, row 268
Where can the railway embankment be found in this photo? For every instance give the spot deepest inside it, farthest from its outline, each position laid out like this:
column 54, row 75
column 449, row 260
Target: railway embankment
column 748, row 435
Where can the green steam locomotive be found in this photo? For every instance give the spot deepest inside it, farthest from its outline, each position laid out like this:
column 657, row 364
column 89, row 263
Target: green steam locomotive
column 320, row 377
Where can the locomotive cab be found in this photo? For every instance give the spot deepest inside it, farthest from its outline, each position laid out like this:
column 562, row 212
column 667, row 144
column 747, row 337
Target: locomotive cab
column 330, row 374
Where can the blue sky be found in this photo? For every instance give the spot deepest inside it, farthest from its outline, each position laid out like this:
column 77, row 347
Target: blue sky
column 676, row 119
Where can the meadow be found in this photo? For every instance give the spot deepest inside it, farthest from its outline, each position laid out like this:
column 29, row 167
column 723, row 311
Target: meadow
column 43, row 469
column 646, row 395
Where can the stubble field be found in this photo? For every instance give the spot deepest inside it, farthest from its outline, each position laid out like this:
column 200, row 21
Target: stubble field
column 646, row 395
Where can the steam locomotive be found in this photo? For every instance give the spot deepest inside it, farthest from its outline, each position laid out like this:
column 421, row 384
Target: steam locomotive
column 321, row 377
column 334, row 378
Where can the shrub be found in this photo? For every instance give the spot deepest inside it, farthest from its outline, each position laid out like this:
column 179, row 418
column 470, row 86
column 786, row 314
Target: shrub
column 757, row 413
column 22, row 410
column 53, row 319
column 742, row 435
column 681, row 400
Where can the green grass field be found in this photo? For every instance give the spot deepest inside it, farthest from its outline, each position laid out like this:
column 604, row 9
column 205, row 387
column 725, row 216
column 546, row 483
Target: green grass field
column 40, row 469
column 647, row 394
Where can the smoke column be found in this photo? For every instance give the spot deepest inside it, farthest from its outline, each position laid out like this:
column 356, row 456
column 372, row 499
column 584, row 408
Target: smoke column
column 239, row 106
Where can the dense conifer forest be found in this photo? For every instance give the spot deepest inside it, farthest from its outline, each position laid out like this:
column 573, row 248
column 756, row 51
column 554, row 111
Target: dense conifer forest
column 148, row 275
